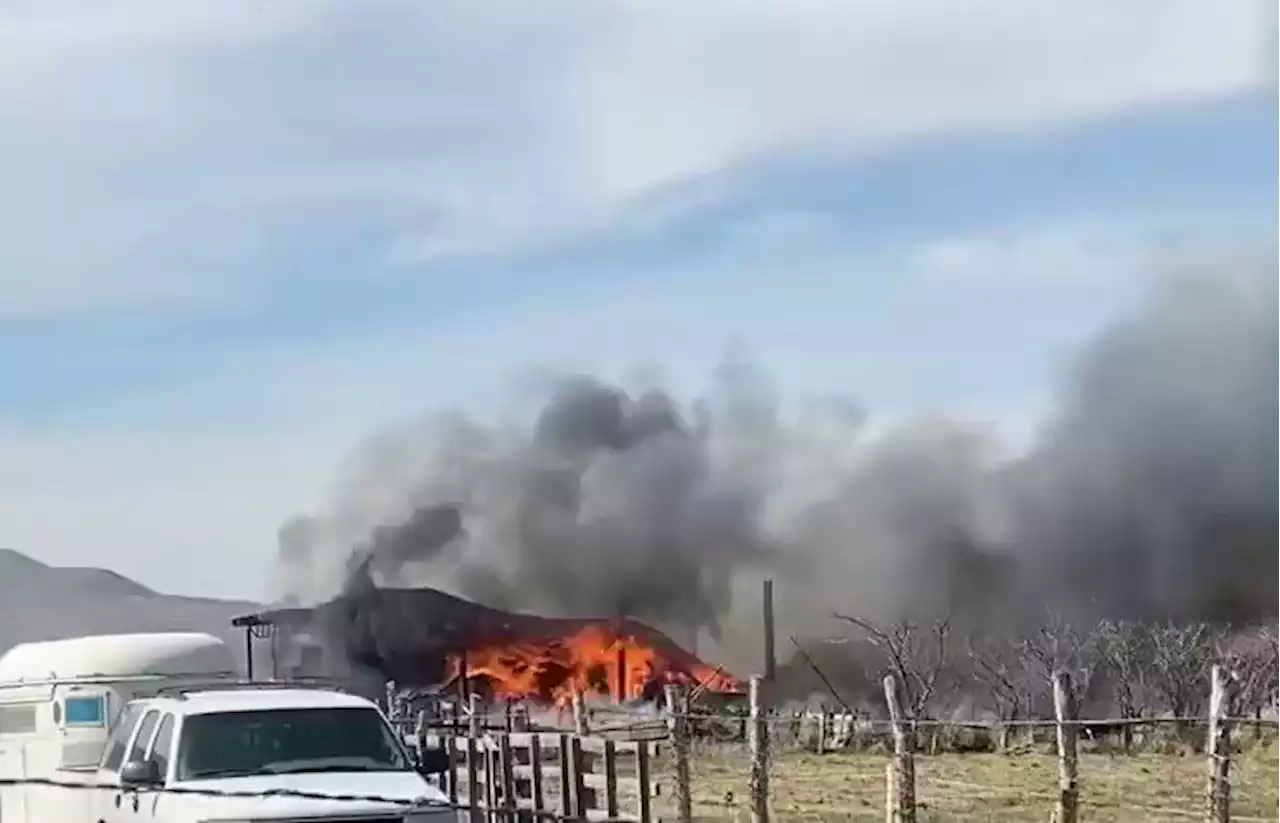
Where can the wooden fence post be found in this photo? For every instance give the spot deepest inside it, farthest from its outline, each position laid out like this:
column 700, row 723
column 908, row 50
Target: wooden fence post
column 507, row 776
column 890, row 790
column 678, row 727
column 420, row 731
column 610, row 762
column 568, row 799
column 475, row 813
column 759, row 735
column 577, row 777
column 1064, row 710
column 579, row 715
column 904, row 800
column 1219, row 750
column 644, row 793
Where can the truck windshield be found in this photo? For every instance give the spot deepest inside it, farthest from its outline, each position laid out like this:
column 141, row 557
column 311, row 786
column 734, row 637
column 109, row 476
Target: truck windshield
column 287, row 741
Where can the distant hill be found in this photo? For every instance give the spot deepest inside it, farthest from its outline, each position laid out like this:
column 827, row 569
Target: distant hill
column 42, row 602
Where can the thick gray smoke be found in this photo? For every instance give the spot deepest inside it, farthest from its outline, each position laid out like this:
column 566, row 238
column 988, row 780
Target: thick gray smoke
column 1154, row 488
column 1151, row 490
column 610, row 505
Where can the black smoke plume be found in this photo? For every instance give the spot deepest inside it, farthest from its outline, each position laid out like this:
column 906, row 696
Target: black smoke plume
column 1150, row 490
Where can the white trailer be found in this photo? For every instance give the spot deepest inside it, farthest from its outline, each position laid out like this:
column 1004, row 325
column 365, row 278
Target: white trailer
column 59, row 700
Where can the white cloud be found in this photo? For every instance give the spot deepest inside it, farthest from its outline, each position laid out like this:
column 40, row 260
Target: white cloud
column 150, row 149
column 681, row 89
column 1097, row 249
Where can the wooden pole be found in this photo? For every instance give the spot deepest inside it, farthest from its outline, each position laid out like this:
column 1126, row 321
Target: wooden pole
column 577, row 776
column 770, row 655
column 904, row 801
column 248, row 653
column 420, row 732
column 579, row 715
column 473, row 715
column 759, row 733
column 620, row 694
column 890, row 791
column 507, row 775
column 464, row 682
column 678, row 727
column 476, row 814
column 1064, row 710
column 567, row 797
column 1219, row 750
column 644, row 791
column 610, row 761
column 455, row 732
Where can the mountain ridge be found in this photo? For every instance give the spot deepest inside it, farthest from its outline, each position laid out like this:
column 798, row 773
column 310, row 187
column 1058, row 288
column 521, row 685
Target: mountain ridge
column 39, row 601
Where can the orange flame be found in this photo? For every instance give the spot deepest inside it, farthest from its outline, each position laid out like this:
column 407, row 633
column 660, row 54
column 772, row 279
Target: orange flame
column 594, row 659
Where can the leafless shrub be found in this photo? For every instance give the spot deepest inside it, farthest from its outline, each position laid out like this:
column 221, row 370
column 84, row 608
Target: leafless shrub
column 998, row 666
column 1254, row 660
column 1181, row 658
column 1123, row 670
column 1124, row 649
column 1060, row 645
column 915, row 654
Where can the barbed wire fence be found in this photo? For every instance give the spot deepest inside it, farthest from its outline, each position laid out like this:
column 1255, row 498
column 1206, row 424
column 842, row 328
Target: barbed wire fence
column 913, row 789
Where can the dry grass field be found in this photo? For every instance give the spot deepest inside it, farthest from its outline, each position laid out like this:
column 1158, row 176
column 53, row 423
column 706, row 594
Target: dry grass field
column 981, row 787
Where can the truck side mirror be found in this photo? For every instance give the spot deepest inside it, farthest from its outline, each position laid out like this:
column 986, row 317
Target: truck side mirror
column 433, row 761
column 137, row 774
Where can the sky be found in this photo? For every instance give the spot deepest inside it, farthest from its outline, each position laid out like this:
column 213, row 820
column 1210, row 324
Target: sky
column 238, row 237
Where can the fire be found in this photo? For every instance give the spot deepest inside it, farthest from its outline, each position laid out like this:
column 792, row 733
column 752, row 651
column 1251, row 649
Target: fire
column 594, row 659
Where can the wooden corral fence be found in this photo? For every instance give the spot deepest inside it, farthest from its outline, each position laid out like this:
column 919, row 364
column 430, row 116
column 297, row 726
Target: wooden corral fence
column 537, row 776
column 605, row 776
column 540, row 776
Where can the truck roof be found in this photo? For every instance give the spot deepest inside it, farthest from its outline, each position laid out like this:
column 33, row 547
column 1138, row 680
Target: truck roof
column 118, row 655
column 249, row 699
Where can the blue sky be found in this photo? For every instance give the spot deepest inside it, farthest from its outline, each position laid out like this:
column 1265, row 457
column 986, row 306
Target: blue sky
column 240, row 238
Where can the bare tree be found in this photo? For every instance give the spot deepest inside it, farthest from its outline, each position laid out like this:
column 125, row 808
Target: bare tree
column 1254, row 659
column 915, row 654
column 1124, row 648
column 1060, row 645
column 997, row 664
column 1181, row 657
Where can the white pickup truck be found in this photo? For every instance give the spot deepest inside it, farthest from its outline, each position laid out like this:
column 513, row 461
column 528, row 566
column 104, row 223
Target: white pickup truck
column 261, row 754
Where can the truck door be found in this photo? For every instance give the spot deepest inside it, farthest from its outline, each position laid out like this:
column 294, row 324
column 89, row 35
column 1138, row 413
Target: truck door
column 161, row 752
column 129, row 728
column 128, row 802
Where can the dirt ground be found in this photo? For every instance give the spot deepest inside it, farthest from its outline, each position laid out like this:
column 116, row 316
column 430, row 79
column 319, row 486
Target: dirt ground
column 981, row 787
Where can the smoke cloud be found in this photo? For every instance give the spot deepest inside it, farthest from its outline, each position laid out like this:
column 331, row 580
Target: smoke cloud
column 1150, row 490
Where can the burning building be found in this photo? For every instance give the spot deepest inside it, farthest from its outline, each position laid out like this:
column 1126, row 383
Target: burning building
column 424, row 638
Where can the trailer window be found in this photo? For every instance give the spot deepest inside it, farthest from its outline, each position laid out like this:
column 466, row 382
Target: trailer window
column 20, row 719
column 119, row 740
column 85, row 711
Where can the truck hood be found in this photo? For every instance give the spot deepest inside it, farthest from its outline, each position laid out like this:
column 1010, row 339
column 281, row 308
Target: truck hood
column 393, row 786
